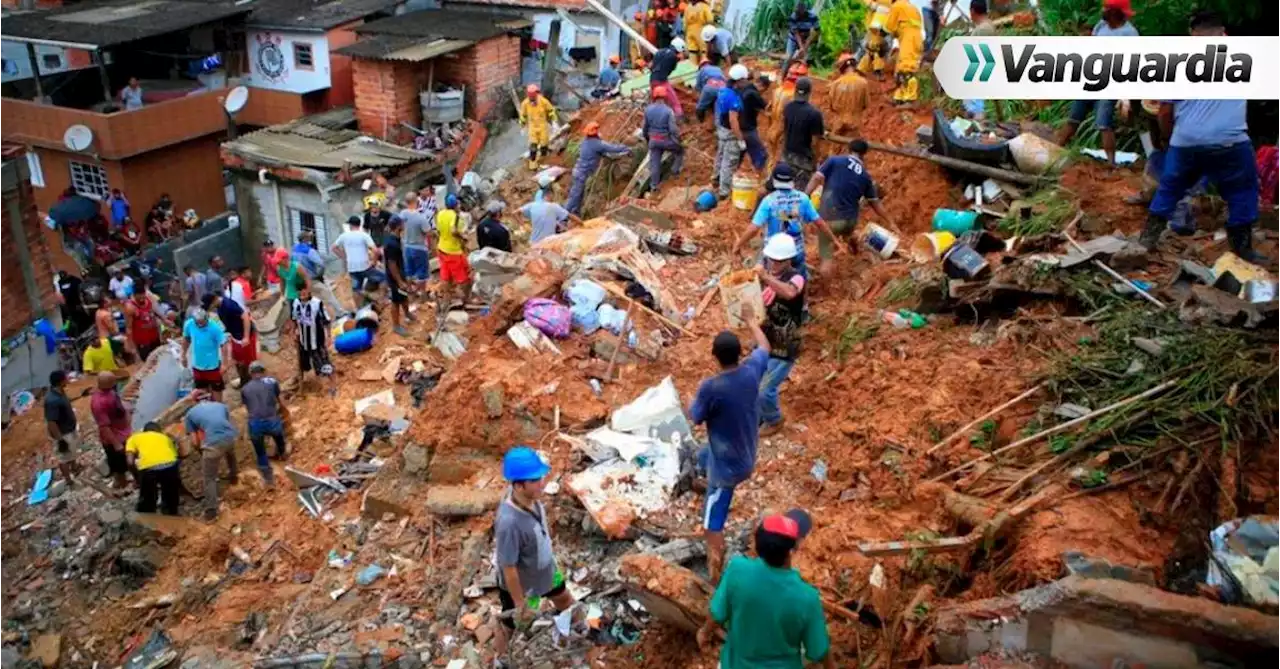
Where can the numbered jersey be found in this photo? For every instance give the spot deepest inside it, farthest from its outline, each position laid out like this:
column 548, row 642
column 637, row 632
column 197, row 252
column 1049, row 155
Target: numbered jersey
column 846, row 183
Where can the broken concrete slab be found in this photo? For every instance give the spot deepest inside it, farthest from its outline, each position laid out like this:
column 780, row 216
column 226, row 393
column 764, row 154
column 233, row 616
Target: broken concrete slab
column 642, row 216
column 47, row 650
column 491, row 396
column 1085, row 622
column 1209, row 306
column 415, row 458
column 1087, row 566
column 1099, row 248
column 670, row 592
column 462, row 500
column 375, row 508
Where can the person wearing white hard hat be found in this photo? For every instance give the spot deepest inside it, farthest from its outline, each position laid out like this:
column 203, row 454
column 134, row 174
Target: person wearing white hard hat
column 660, row 68
column 719, row 43
column 733, row 138
column 784, row 295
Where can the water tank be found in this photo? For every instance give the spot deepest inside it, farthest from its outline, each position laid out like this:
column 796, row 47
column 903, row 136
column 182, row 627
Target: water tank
column 442, row 106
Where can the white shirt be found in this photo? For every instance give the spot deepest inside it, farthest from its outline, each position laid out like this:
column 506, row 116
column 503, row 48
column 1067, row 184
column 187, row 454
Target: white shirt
column 356, row 245
column 235, row 292
column 121, row 289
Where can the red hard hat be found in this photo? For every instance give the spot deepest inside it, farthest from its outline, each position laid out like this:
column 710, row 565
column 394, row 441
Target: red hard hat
column 532, row 89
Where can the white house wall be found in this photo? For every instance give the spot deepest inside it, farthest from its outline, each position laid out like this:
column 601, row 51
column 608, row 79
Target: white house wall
column 17, row 65
column 272, row 64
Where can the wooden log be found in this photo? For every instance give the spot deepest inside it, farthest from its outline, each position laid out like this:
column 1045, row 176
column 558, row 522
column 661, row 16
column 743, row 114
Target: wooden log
column 953, row 163
column 663, row 319
column 973, row 511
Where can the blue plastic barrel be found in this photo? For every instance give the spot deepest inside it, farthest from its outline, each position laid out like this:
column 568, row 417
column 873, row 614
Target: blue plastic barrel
column 953, row 221
column 353, row 341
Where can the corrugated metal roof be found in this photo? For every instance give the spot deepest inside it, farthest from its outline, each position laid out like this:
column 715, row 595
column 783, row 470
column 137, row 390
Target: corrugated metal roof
column 103, row 23
column 314, row 14
column 319, row 142
column 572, row 5
column 423, row 35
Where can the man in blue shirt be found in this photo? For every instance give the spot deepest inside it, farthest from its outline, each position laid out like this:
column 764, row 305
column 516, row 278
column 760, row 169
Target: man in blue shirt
column 845, row 182
column 206, row 345
column 590, row 152
column 607, row 84
column 662, row 134
column 730, row 141
column 119, row 208
column 1208, row 138
column 786, row 210
column 209, row 424
column 728, row 403
column 719, row 43
column 802, row 29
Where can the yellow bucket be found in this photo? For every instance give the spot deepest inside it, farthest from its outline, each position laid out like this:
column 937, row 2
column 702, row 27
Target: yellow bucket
column 816, row 197
column 744, row 192
column 930, row 246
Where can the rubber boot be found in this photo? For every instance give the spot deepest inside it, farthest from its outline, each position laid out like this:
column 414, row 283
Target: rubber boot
column 1241, row 239
column 1151, row 233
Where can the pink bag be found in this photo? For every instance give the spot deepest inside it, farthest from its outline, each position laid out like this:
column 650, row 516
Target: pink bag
column 550, row 317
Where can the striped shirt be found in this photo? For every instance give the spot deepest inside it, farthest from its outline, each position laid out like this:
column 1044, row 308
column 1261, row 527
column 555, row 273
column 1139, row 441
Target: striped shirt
column 311, row 319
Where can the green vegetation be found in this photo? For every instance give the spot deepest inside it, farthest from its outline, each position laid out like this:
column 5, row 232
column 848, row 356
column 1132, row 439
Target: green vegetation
column 1051, row 210
column 983, row 438
column 1150, row 17
column 899, row 290
column 855, row 332
column 841, row 22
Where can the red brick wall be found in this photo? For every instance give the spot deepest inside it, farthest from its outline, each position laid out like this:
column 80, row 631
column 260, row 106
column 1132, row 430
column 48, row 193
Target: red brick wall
column 340, row 88
column 17, row 312
column 486, row 69
column 386, row 93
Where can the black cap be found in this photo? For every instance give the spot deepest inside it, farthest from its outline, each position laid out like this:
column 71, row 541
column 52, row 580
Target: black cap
column 782, row 172
column 802, row 519
column 804, row 86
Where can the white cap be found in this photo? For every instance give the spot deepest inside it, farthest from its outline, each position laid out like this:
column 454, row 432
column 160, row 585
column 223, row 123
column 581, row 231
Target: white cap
column 678, row 44
column 780, row 247
column 708, row 33
column 739, row 72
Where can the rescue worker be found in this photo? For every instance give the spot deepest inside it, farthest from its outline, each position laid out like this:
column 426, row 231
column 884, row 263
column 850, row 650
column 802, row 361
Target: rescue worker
column 663, row 136
column 634, row 50
column 785, row 287
column 906, row 24
column 708, row 83
column 785, row 93
column 847, row 97
column 664, row 63
column 610, row 79
column 697, row 17
column 539, row 114
column 590, row 152
column 731, row 141
column 875, row 44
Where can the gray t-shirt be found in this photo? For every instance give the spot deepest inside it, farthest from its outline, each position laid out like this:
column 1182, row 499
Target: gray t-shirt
column 213, row 282
column 214, row 420
column 261, row 398
column 523, row 540
column 1104, row 30
column 546, row 216
column 416, row 226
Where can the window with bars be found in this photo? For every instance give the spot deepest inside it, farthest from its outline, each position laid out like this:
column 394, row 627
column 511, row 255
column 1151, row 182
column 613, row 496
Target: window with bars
column 302, row 58
column 89, row 180
column 305, row 221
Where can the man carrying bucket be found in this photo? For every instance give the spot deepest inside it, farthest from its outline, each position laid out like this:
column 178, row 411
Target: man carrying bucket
column 845, row 182
column 786, row 210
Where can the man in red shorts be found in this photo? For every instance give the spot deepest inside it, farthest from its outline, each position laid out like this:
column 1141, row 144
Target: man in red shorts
column 205, row 345
column 452, row 255
column 240, row 331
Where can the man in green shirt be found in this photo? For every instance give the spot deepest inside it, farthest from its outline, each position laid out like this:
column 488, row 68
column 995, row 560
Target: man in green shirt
column 292, row 277
column 772, row 618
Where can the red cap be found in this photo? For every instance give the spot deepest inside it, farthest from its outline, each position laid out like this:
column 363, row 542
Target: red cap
column 782, row 526
column 1122, row 5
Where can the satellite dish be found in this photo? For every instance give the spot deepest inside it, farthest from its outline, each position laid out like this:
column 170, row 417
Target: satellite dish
column 78, row 137
column 236, row 99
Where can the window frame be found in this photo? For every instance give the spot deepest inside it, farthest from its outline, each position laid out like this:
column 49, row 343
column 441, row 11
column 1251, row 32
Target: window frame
column 298, row 48
column 96, row 169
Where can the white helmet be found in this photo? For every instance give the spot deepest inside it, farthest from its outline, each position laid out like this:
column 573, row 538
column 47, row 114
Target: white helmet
column 708, row 33
column 780, row 247
column 545, row 180
column 739, row 72
column 678, row 45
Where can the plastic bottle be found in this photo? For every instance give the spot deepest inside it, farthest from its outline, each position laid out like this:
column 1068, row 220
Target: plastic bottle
column 916, row 321
column 896, row 320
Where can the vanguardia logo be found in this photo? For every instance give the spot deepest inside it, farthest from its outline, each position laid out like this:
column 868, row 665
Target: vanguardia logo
column 1108, row 68
column 988, row 62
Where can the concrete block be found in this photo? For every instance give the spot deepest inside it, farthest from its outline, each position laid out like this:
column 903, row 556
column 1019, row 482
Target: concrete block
column 491, row 393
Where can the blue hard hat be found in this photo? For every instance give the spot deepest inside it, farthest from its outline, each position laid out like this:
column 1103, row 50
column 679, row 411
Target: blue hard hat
column 451, row 200
column 523, row 464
